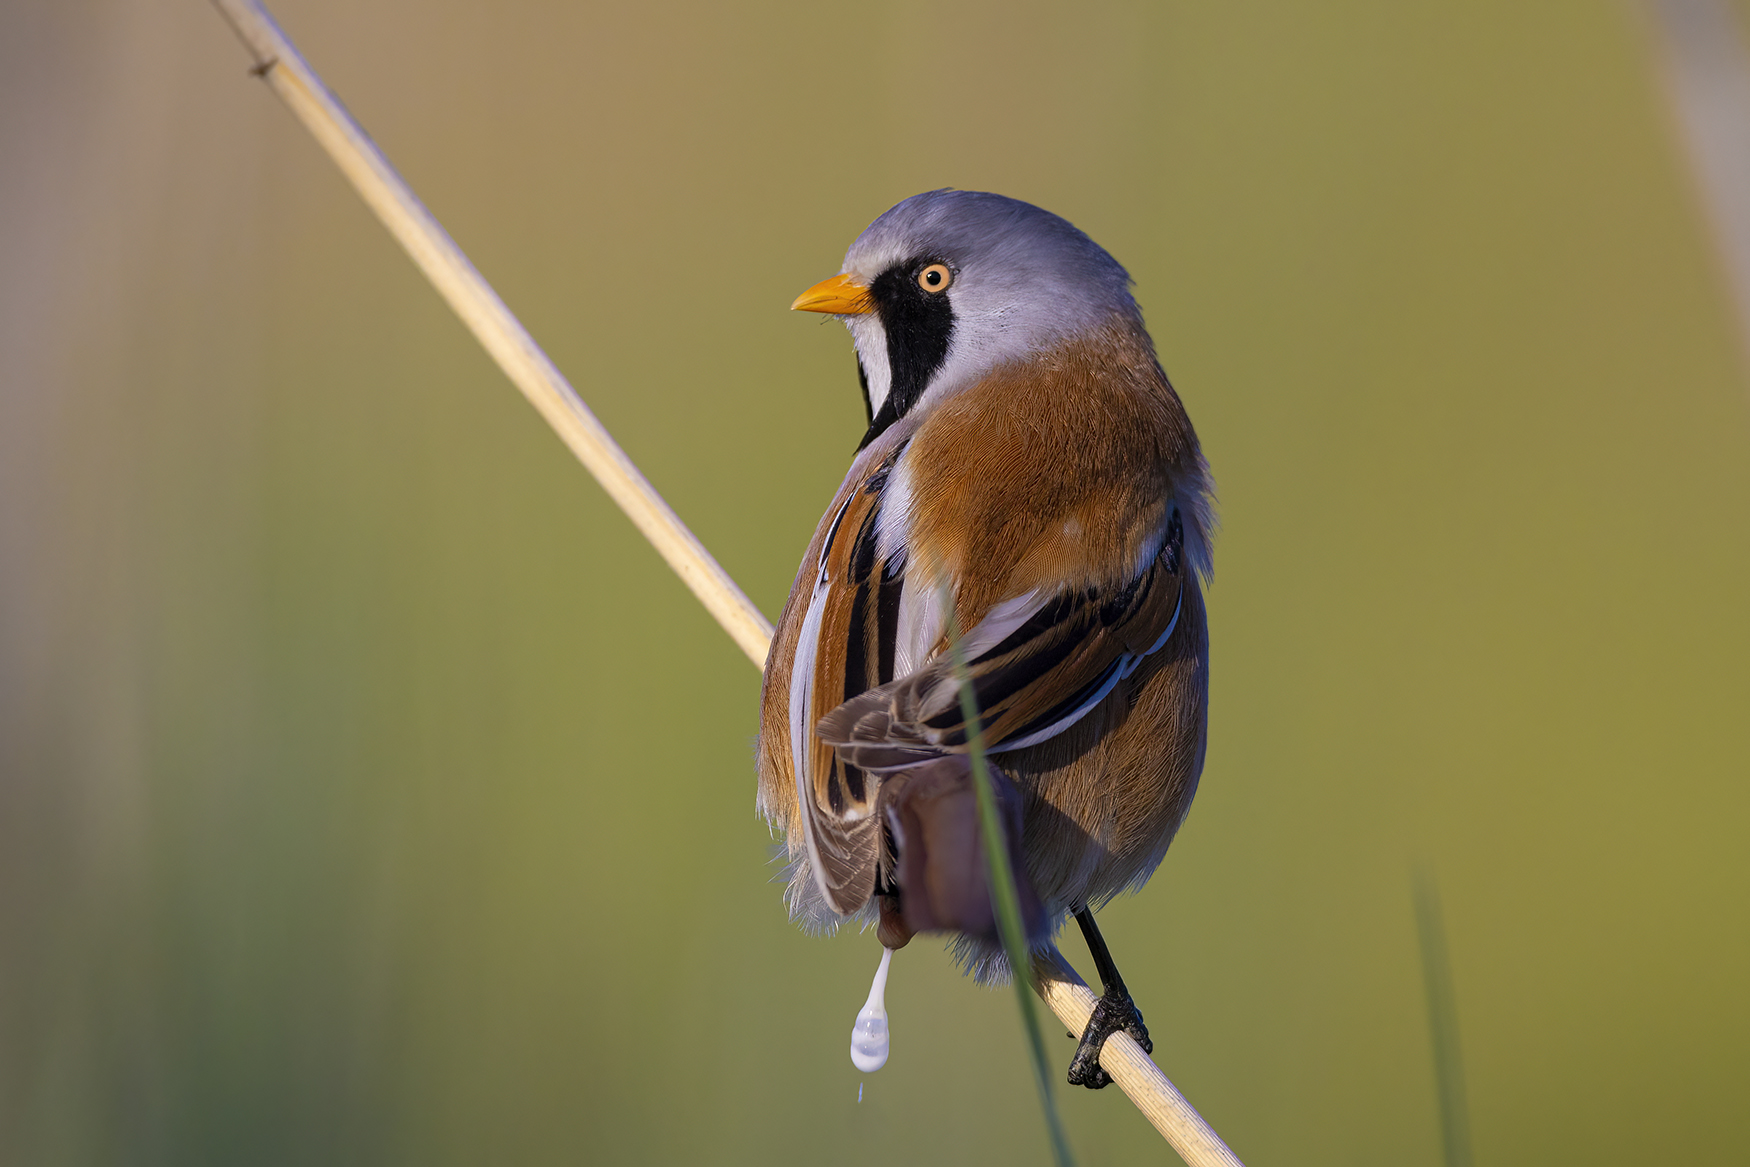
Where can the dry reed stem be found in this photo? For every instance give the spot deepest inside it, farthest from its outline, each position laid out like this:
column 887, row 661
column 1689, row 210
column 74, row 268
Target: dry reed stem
column 503, row 336
column 287, row 74
column 1134, row 1071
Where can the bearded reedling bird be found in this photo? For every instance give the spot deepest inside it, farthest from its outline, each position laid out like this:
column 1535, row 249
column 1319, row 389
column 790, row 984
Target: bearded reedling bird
column 1026, row 461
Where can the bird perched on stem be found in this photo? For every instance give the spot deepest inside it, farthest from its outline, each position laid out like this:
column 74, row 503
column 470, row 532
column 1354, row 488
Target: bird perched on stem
column 1028, row 463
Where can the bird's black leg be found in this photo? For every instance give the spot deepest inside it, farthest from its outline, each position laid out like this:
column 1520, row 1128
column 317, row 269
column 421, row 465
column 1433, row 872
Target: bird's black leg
column 1115, row 1011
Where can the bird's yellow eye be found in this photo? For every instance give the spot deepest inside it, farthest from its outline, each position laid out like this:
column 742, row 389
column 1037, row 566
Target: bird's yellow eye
column 935, row 278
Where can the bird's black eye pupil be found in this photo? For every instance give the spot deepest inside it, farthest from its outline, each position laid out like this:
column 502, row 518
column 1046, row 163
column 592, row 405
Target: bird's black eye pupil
column 933, row 278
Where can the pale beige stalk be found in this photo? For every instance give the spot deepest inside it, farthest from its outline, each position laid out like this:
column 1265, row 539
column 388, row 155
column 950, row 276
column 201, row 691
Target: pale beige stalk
column 437, row 255
column 503, row 336
column 1132, row 1070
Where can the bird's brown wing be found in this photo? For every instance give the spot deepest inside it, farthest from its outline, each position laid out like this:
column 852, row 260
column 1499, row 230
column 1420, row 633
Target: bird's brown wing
column 1039, row 677
column 1038, row 663
column 845, row 647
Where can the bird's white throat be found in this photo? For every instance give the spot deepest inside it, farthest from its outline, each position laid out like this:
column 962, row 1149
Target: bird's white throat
column 870, row 339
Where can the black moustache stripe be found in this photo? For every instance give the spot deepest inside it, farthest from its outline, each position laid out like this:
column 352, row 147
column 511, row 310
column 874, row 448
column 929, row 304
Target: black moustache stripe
column 918, row 325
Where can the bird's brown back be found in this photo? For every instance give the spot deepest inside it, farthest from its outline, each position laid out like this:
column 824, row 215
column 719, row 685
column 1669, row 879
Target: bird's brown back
column 1054, row 473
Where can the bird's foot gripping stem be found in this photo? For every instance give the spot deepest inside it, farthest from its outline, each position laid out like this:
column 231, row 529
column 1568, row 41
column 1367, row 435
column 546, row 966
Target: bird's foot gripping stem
column 1115, row 1011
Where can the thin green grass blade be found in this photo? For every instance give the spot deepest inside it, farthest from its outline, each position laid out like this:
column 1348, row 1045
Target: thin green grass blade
column 1004, row 897
column 1443, row 1023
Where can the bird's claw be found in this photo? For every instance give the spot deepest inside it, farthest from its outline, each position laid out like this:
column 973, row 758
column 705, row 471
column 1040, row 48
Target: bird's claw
column 1112, row 1013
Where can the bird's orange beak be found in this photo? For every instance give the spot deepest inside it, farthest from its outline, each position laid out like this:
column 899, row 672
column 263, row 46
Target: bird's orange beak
column 841, row 296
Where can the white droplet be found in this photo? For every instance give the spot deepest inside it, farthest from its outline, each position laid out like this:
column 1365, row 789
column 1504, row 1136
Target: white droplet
column 869, row 1035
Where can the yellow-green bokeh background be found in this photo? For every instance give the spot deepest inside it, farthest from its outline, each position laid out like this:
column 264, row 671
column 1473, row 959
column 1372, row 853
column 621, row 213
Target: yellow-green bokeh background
column 371, row 794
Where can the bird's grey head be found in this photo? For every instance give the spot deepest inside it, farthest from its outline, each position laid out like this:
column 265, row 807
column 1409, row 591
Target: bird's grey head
column 948, row 285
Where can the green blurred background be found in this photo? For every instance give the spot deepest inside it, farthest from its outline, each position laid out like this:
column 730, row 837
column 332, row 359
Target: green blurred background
column 370, row 794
